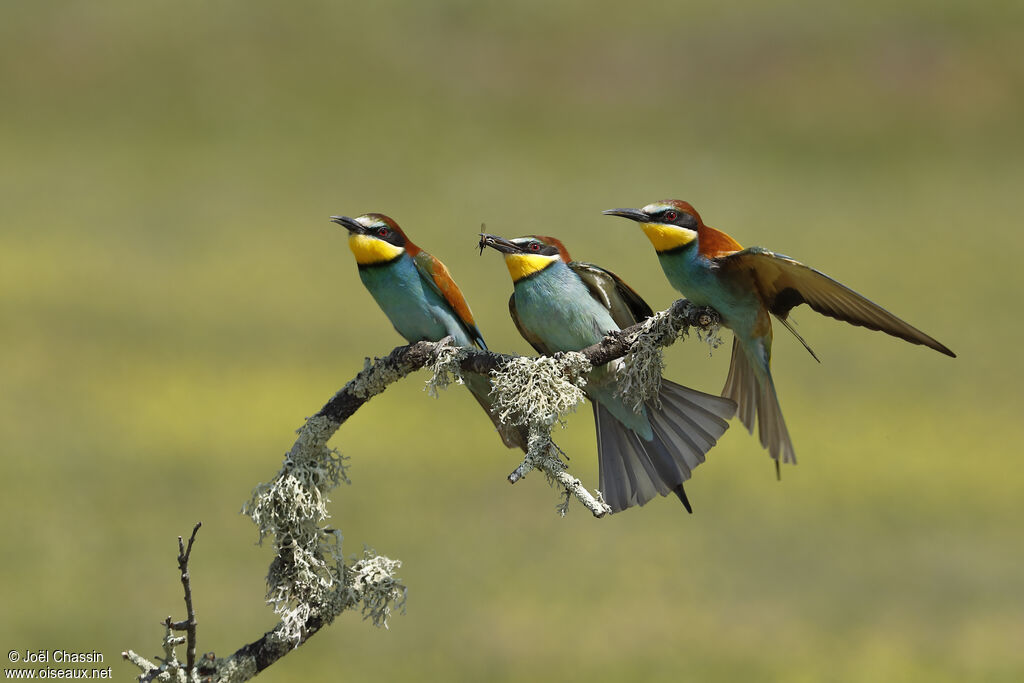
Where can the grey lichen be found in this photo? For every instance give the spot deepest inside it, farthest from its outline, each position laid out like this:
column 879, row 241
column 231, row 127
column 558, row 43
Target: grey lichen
column 543, row 452
column 640, row 372
column 292, row 505
column 371, row 582
column 236, row 669
column 375, row 377
column 444, row 369
column 545, row 455
column 540, row 390
column 573, row 487
column 308, row 572
column 709, row 334
column 139, row 661
column 171, row 669
column 536, row 393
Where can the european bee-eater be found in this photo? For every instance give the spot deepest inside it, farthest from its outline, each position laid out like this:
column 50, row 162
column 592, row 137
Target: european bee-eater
column 745, row 286
column 563, row 305
column 419, row 297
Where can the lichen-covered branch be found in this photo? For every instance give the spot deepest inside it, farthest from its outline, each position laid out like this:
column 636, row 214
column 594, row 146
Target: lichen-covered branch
column 640, row 379
column 641, row 344
column 377, row 375
column 535, row 393
column 309, row 582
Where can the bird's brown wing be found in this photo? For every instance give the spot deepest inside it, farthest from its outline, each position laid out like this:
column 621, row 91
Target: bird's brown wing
column 436, row 276
column 784, row 284
column 623, row 303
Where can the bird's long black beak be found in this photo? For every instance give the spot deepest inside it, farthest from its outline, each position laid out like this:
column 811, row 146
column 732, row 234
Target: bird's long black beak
column 499, row 243
column 350, row 224
column 632, row 214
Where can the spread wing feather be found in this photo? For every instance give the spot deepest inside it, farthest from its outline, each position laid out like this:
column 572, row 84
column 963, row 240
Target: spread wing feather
column 785, row 283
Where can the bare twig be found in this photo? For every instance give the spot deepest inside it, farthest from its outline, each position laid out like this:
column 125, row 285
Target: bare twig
column 171, row 669
column 189, row 625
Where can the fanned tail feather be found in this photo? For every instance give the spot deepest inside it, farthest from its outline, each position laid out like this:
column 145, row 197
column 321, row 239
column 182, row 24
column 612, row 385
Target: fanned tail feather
column 754, row 394
column 685, row 427
column 627, row 475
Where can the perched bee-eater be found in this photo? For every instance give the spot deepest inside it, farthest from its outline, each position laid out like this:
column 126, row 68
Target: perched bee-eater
column 745, row 286
column 419, row 297
column 563, row 305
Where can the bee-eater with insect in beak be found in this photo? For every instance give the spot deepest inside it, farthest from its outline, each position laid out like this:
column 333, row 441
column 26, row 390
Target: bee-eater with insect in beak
column 419, row 297
column 746, row 287
column 563, row 305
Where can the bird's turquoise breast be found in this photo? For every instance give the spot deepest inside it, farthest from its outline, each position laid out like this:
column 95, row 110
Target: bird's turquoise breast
column 698, row 279
column 555, row 305
column 415, row 309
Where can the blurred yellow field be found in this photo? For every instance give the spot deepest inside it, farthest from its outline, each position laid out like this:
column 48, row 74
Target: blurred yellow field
column 174, row 302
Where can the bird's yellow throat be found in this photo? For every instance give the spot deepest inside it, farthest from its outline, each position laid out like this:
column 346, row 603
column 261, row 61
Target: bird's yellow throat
column 667, row 237
column 524, row 265
column 370, row 250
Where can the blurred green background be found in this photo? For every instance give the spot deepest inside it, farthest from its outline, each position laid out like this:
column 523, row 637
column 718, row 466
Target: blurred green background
column 173, row 303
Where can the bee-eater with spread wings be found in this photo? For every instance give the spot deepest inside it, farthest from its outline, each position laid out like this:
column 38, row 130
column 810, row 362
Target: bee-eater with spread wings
column 747, row 287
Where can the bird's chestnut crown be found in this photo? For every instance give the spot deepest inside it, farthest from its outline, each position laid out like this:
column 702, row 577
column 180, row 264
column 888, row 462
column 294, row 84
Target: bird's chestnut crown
column 383, row 228
column 673, row 212
column 534, row 245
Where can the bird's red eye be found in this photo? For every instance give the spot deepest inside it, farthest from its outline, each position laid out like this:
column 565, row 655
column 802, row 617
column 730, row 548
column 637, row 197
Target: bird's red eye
column 534, row 246
column 383, row 232
column 671, row 216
